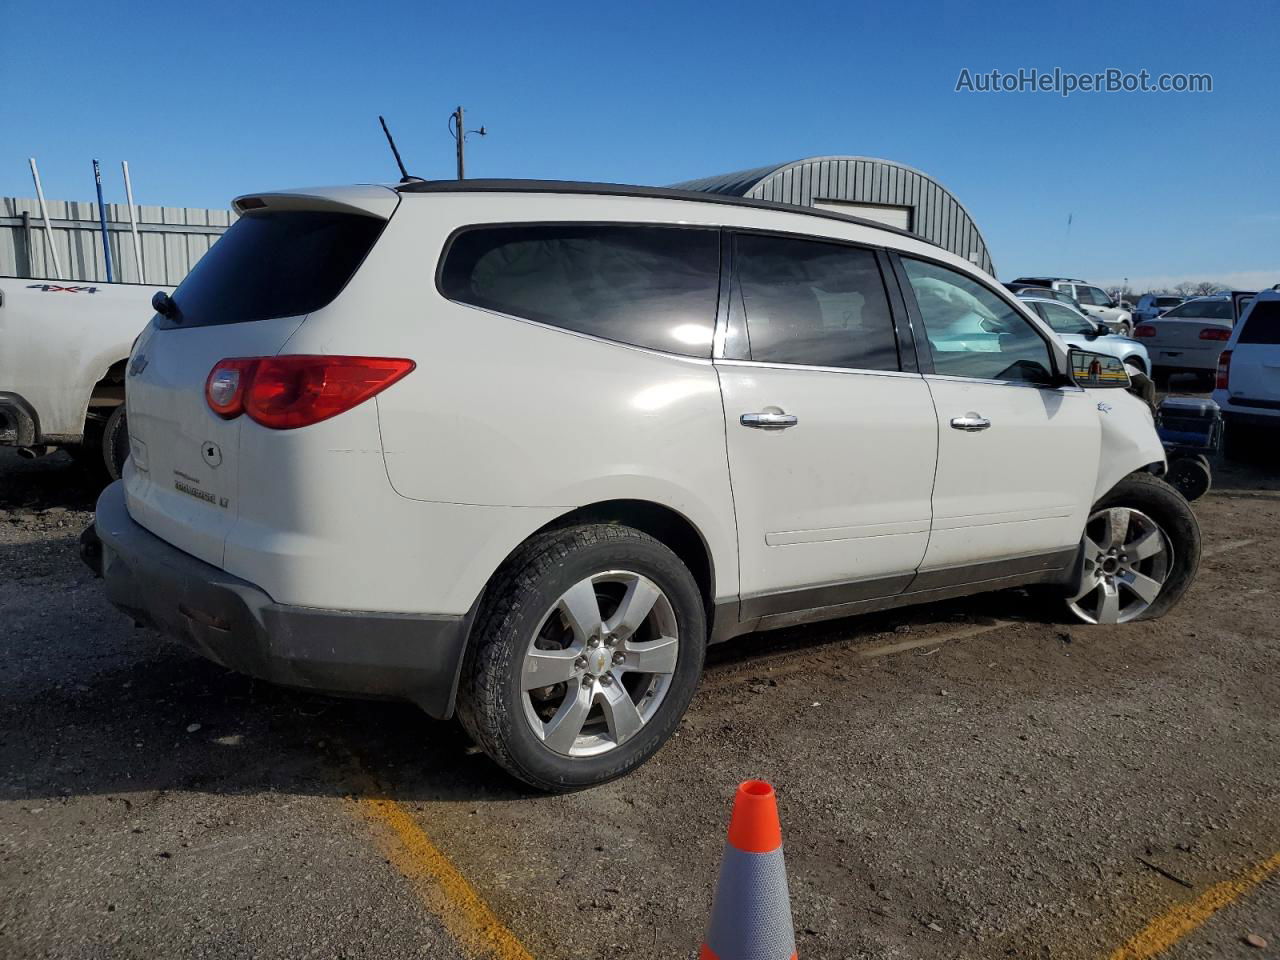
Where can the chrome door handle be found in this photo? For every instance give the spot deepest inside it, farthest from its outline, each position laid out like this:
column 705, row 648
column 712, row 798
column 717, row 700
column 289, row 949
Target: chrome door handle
column 769, row 421
column 970, row 423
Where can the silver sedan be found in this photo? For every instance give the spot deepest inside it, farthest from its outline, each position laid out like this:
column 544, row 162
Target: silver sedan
column 1077, row 329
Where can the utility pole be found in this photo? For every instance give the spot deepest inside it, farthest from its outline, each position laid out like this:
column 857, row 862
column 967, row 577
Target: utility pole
column 461, row 137
column 459, row 133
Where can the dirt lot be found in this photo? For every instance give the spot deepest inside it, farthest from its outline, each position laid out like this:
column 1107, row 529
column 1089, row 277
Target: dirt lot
column 964, row 779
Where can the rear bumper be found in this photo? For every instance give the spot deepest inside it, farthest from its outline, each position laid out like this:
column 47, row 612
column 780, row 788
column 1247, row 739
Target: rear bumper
column 1248, row 412
column 1188, row 359
column 232, row 622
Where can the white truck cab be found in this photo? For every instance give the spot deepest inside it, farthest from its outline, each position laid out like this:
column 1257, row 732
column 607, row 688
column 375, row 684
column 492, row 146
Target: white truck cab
column 523, row 449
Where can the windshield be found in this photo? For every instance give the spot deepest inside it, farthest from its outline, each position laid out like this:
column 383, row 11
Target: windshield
column 1202, row 310
column 1065, row 320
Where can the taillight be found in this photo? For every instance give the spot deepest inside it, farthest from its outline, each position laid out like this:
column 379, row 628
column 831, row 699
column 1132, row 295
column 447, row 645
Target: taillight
column 287, row 392
column 224, row 387
column 1215, row 333
column 1144, row 330
column 1224, row 370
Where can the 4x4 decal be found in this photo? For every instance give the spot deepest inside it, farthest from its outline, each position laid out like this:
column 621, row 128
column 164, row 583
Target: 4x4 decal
column 55, row 288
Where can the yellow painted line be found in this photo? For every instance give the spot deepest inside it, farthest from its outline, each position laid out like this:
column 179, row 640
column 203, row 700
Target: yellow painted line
column 437, row 882
column 1166, row 930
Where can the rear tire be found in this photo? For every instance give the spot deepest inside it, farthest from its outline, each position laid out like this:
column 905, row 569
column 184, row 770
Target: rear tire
column 115, row 443
column 1139, row 553
column 556, row 610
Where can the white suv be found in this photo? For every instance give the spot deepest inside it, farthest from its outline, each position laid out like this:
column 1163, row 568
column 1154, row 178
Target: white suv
column 526, row 448
column 1248, row 375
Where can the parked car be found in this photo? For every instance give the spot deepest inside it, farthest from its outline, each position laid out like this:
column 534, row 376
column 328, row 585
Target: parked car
column 1247, row 386
column 1189, row 337
column 1076, row 329
column 1092, row 301
column 62, row 366
column 524, row 449
column 1048, row 293
column 1151, row 305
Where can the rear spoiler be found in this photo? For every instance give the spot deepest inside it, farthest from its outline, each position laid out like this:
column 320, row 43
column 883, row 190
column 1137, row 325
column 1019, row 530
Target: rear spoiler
column 369, row 200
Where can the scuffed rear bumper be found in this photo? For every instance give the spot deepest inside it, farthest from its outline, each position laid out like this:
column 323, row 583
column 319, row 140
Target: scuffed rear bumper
column 412, row 657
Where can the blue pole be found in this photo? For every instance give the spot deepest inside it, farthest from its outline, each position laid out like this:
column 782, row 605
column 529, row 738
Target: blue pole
column 102, row 218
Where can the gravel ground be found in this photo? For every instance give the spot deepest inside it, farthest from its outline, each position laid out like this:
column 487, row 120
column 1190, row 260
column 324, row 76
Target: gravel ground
column 991, row 789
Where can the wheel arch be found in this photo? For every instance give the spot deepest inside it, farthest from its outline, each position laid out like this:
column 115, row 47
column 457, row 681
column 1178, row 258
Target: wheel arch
column 665, row 524
column 104, row 396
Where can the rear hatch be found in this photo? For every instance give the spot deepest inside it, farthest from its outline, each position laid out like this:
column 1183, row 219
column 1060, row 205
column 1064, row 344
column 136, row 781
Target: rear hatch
column 287, row 256
column 1255, row 358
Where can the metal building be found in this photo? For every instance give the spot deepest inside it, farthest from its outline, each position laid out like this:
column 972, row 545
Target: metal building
column 878, row 190
column 172, row 240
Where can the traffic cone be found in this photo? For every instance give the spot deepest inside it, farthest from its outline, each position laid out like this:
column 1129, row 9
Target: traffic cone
column 751, row 915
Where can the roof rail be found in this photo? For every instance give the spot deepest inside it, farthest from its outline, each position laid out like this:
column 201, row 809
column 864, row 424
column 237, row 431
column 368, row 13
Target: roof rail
column 632, row 190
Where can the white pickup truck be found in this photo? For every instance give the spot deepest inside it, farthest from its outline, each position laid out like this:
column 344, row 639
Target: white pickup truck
column 63, row 349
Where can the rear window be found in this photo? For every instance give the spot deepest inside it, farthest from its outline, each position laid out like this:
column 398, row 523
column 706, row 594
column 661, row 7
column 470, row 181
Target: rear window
column 649, row 286
column 1263, row 324
column 1168, row 301
column 268, row 265
column 1202, row 310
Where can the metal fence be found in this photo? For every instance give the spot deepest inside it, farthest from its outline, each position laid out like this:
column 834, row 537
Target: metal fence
column 172, row 240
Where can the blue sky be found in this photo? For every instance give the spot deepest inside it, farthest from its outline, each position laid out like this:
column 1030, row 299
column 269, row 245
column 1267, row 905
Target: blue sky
column 206, row 101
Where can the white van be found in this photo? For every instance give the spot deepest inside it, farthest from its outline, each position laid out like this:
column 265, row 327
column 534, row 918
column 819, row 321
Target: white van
column 524, row 449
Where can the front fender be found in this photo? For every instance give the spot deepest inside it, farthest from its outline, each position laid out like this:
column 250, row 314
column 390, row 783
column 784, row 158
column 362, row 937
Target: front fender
column 1128, row 437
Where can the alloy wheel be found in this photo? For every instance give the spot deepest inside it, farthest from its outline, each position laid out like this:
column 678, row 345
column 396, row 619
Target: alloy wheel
column 600, row 663
column 1126, row 559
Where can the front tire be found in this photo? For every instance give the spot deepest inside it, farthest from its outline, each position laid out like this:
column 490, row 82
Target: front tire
column 586, row 652
column 1139, row 553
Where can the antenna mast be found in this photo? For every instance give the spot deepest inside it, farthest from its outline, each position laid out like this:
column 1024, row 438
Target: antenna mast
column 404, row 174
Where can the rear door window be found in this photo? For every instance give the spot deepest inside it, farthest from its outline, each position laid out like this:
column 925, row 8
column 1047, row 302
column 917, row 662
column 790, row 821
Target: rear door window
column 649, row 286
column 1263, row 323
column 809, row 302
column 274, row 264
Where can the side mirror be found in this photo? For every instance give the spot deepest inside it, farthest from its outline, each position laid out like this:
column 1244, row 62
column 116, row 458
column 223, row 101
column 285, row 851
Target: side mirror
column 1095, row 371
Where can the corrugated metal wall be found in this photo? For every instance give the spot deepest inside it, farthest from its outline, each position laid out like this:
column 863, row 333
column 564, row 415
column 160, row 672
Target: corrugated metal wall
column 936, row 214
column 172, row 239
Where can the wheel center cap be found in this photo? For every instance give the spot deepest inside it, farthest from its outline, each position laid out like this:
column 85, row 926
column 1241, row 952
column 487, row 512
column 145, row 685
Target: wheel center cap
column 599, row 661
column 1110, row 565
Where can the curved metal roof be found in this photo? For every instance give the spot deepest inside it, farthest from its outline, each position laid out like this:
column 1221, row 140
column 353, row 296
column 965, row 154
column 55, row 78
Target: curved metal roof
column 936, row 213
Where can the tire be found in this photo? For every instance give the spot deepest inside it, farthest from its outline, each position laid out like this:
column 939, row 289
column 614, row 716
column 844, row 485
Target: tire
column 1190, row 476
column 1160, row 529
column 115, row 443
column 525, row 611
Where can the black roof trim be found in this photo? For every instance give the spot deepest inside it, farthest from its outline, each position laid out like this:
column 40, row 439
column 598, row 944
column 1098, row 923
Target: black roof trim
column 632, row 190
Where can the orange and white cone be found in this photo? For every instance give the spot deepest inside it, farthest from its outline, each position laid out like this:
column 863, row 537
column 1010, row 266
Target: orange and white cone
column 751, row 915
